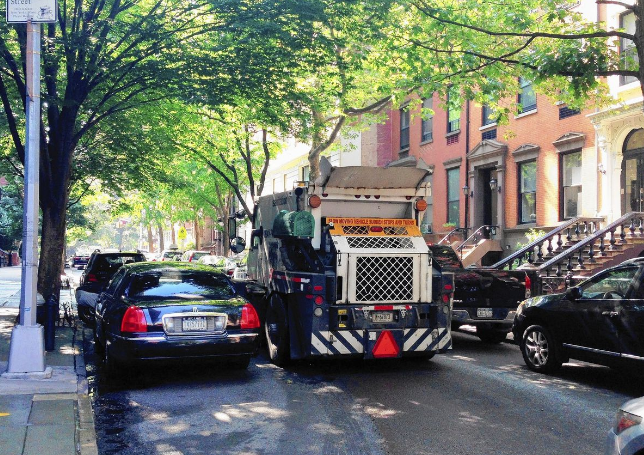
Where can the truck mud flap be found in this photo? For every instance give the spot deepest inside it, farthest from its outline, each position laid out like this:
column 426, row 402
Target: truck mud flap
column 353, row 342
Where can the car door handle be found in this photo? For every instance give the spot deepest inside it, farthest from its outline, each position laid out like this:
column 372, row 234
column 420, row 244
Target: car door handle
column 610, row 314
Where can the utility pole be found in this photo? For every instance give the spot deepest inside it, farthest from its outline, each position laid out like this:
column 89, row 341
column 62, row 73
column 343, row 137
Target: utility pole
column 27, row 349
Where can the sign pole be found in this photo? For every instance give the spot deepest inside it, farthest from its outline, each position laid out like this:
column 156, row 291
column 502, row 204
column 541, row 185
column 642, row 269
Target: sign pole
column 27, row 351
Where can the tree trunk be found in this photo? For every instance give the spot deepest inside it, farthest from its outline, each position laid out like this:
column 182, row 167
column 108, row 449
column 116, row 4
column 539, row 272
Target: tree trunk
column 150, row 239
column 197, row 234
column 52, row 245
column 161, row 241
column 174, row 234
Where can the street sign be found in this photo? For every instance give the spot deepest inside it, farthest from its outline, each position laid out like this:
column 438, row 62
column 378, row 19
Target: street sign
column 23, row 11
column 182, row 234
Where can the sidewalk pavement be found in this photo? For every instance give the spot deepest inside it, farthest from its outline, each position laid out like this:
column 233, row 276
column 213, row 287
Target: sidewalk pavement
column 50, row 416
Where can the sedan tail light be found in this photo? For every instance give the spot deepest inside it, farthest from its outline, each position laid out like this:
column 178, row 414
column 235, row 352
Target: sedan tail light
column 249, row 318
column 91, row 278
column 625, row 420
column 134, row 321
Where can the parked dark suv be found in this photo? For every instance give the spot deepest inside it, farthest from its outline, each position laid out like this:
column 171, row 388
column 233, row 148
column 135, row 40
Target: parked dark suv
column 99, row 271
column 599, row 321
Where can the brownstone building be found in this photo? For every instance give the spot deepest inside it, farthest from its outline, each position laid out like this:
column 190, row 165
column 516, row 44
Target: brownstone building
column 534, row 172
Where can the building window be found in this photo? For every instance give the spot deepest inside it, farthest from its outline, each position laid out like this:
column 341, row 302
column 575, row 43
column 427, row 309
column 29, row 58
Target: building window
column 528, row 192
column 427, row 123
column 289, row 179
column 627, row 50
column 453, row 195
column 306, row 173
column 527, row 98
column 404, row 128
column 453, row 112
column 488, row 116
column 570, row 166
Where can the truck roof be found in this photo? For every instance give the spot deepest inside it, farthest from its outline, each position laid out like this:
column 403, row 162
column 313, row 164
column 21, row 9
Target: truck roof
column 370, row 177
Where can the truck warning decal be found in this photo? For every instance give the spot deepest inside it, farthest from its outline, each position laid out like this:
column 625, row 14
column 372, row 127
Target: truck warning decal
column 376, row 227
column 374, row 221
column 352, row 341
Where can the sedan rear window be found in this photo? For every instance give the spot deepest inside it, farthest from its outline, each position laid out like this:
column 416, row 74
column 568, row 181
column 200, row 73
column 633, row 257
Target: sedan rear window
column 173, row 284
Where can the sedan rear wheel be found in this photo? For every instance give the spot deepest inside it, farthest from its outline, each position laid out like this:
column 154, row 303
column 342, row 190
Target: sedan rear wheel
column 540, row 350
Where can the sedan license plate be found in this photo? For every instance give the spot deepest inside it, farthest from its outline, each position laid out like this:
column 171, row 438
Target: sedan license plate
column 484, row 312
column 382, row 316
column 194, row 324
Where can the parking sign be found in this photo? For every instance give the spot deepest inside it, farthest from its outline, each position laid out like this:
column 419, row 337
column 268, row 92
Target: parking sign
column 22, row 11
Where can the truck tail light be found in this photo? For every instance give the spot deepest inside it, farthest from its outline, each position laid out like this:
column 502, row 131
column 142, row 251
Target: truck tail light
column 249, row 317
column 315, row 201
column 528, row 286
column 447, row 292
column 421, row 205
column 134, row 321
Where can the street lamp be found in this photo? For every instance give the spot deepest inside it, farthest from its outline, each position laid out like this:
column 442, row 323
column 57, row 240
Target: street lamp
column 494, row 185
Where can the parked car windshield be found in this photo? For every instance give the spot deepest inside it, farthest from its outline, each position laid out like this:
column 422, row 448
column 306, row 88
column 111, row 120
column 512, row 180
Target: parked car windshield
column 111, row 263
column 172, row 255
column 180, row 285
column 217, row 261
column 446, row 257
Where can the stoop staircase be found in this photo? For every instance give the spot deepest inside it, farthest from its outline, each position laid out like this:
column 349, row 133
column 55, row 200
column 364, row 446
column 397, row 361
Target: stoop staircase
column 578, row 249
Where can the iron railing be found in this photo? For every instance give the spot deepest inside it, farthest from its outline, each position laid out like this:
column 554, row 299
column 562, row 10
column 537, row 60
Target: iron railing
column 575, row 229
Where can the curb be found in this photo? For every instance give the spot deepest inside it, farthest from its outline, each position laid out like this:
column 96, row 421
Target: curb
column 85, row 431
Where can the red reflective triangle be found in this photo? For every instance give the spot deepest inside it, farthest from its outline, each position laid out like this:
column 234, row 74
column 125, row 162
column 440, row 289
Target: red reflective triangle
column 386, row 345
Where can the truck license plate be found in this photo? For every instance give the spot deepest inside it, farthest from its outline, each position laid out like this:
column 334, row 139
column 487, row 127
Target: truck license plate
column 194, row 324
column 382, row 316
column 484, row 312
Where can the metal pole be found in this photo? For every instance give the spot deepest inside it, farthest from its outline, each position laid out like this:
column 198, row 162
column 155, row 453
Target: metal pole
column 27, row 350
column 32, row 169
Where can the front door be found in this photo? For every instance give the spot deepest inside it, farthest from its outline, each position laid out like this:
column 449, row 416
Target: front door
column 633, row 183
column 489, row 200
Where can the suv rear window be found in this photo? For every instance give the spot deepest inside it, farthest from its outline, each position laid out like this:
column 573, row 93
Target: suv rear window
column 111, row 263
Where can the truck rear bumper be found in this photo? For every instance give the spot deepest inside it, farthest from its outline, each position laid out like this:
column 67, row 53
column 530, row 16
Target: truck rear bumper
column 503, row 318
column 363, row 342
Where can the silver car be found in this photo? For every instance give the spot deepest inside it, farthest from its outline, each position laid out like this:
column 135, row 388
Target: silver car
column 627, row 435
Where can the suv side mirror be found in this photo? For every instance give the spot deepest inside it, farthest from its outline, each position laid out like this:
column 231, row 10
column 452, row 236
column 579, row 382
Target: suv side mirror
column 237, row 245
column 574, row 293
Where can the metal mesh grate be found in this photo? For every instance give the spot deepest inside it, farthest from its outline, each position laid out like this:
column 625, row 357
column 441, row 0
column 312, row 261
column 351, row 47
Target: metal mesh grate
column 395, row 230
column 384, row 278
column 380, row 242
column 355, row 230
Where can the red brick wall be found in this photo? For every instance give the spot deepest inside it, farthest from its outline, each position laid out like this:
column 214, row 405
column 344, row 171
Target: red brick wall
column 541, row 128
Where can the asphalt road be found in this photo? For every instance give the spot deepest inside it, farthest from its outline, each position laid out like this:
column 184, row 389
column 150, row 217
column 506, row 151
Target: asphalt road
column 479, row 399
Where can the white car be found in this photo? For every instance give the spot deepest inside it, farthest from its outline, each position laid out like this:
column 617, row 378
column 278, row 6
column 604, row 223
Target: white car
column 627, row 435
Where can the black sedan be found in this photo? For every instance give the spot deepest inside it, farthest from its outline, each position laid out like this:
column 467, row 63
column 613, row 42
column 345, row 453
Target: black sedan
column 599, row 321
column 170, row 311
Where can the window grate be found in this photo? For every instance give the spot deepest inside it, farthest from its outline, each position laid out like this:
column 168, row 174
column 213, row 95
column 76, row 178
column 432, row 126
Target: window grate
column 565, row 112
column 384, row 278
column 491, row 134
column 396, row 243
column 452, row 139
column 395, row 230
column 355, row 230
